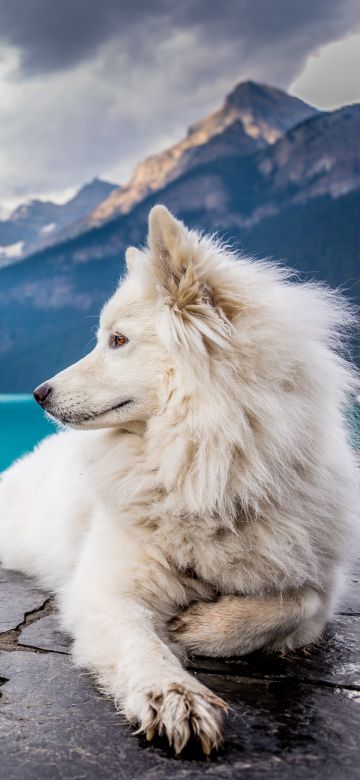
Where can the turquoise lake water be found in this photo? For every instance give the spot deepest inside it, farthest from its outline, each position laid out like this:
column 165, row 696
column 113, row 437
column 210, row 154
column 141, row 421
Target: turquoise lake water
column 23, row 424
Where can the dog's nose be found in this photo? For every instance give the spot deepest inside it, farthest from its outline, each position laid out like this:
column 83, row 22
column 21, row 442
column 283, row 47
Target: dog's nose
column 41, row 393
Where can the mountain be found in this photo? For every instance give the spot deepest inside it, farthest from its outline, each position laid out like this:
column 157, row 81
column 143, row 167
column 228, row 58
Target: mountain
column 253, row 116
column 235, row 191
column 32, row 224
column 296, row 199
column 319, row 157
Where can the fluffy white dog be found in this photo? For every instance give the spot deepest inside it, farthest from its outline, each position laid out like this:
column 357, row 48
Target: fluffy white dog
column 207, row 499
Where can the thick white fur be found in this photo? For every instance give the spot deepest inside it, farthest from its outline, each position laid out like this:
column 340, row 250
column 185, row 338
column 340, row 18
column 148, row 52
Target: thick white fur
column 228, row 475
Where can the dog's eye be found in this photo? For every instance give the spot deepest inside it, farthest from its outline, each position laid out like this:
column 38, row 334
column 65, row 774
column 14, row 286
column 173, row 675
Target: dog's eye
column 117, row 340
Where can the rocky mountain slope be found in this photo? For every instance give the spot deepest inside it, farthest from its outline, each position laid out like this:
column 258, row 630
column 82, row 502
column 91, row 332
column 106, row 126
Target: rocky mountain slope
column 253, row 116
column 320, row 156
column 230, row 190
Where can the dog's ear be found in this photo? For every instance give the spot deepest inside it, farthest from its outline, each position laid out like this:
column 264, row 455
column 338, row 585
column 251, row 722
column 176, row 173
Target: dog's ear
column 194, row 317
column 170, row 246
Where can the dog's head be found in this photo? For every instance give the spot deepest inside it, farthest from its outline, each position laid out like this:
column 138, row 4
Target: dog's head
column 173, row 308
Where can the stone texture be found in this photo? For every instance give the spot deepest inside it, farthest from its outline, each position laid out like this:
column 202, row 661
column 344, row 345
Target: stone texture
column 292, row 717
column 350, row 602
column 45, row 634
column 19, row 595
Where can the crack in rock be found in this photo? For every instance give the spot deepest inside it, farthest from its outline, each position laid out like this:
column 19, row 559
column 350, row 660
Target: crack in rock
column 315, row 683
column 9, row 640
column 3, row 681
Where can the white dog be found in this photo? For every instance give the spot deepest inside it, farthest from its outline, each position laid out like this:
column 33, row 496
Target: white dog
column 207, row 499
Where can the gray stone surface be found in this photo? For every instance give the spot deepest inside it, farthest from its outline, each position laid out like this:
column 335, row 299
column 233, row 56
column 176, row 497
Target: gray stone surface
column 19, row 595
column 350, row 602
column 45, row 634
column 294, row 717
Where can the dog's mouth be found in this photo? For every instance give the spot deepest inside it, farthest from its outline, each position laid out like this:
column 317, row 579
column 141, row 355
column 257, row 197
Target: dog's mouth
column 72, row 418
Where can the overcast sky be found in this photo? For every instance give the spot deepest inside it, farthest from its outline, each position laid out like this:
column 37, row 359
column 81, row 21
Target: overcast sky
column 91, row 86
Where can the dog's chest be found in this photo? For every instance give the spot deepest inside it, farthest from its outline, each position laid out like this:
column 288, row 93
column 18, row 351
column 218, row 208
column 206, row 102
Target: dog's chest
column 200, row 549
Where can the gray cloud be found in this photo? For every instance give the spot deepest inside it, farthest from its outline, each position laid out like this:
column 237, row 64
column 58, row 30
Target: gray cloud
column 53, row 35
column 94, row 85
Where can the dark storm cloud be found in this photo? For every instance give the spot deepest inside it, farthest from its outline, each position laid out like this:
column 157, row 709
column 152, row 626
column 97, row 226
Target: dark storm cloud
column 53, row 35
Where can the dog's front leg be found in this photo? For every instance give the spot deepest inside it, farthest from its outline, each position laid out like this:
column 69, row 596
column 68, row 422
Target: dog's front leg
column 118, row 637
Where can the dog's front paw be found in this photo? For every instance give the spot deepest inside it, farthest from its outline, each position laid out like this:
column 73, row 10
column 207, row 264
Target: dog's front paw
column 180, row 712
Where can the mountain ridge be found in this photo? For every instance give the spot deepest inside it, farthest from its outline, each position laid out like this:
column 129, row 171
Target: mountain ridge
column 202, row 187
column 261, row 124
column 32, row 222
